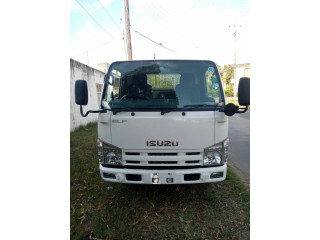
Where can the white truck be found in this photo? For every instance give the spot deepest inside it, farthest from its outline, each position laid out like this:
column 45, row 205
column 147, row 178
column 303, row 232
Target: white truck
column 163, row 121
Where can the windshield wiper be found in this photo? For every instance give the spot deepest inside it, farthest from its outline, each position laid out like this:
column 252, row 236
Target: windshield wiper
column 115, row 111
column 186, row 107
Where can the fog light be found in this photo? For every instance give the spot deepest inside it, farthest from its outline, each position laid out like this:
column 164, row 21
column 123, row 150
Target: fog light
column 216, row 175
column 109, row 175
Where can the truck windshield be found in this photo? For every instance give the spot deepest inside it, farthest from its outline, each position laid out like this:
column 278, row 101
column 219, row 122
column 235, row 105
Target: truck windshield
column 163, row 84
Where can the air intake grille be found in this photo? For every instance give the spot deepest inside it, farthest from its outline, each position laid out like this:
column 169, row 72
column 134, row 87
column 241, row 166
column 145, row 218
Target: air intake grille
column 175, row 159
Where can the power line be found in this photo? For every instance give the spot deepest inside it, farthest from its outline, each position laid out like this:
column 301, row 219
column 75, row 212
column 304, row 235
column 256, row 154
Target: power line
column 151, row 14
column 117, row 25
column 95, row 20
column 164, row 10
column 110, row 16
column 157, row 9
column 159, row 44
column 93, row 48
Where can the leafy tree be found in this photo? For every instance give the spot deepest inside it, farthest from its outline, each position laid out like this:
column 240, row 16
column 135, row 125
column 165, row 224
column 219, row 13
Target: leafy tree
column 229, row 91
column 229, row 74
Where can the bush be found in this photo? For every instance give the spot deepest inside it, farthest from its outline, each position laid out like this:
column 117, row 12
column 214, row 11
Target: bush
column 229, row 91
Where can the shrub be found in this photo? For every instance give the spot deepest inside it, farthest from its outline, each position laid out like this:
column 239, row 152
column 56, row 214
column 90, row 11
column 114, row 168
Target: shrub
column 229, row 91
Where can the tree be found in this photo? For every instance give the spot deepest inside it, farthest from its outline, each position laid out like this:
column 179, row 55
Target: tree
column 229, row 91
column 228, row 74
column 220, row 70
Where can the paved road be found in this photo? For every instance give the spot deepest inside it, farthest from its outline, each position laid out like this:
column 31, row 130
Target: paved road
column 239, row 145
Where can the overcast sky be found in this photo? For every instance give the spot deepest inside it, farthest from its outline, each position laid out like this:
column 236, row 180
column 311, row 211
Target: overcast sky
column 190, row 29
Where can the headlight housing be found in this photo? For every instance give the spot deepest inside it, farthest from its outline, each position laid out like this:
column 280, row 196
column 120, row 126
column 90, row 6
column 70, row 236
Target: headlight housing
column 109, row 154
column 216, row 154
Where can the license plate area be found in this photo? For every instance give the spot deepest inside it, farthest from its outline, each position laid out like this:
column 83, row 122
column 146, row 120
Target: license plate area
column 169, row 180
column 162, row 178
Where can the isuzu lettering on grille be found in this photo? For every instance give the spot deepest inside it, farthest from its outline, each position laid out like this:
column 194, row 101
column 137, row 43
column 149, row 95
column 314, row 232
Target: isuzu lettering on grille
column 162, row 143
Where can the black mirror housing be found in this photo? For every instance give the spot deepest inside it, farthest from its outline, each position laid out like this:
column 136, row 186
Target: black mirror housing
column 81, row 92
column 244, row 91
column 230, row 109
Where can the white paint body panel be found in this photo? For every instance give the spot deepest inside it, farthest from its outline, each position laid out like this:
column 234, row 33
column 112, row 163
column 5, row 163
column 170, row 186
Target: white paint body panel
column 195, row 130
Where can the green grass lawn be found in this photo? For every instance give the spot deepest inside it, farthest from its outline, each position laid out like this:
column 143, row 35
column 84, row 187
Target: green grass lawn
column 102, row 210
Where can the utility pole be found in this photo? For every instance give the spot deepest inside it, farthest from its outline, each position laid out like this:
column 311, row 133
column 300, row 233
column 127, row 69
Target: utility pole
column 235, row 62
column 128, row 35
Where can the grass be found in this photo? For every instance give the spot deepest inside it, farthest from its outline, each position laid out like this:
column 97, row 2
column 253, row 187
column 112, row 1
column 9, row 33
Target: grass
column 102, row 210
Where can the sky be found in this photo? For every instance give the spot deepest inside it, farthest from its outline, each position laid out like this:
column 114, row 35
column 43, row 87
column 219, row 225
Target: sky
column 185, row 29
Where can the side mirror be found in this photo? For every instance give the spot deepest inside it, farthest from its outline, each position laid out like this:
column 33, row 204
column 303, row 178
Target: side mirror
column 244, row 91
column 230, row 109
column 81, row 92
column 243, row 97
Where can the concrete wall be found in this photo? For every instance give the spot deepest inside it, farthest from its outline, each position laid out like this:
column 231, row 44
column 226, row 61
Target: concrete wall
column 92, row 76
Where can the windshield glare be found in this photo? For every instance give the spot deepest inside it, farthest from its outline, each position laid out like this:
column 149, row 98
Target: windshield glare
column 162, row 84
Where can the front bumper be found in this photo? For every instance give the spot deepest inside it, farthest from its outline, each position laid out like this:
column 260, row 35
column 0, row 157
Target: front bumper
column 176, row 176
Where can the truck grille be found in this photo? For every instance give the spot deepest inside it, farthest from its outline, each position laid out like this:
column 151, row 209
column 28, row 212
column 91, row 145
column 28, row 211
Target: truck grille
column 162, row 159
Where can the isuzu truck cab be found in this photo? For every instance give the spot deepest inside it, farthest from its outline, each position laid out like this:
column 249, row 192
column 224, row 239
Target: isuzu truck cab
column 163, row 122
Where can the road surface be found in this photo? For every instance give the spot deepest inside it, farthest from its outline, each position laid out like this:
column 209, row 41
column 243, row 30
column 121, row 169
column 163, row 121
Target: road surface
column 239, row 145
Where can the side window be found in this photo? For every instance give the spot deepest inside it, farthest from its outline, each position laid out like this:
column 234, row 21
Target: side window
column 213, row 87
column 113, row 89
column 116, row 87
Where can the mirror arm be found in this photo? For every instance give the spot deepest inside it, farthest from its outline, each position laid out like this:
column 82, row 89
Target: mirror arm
column 95, row 111
column 242, row 110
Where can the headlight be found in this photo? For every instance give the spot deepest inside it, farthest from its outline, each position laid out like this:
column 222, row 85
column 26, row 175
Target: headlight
column 216, row 154
column 100, row 151
column 109, row 154
column 113, row 158
column 225, row 149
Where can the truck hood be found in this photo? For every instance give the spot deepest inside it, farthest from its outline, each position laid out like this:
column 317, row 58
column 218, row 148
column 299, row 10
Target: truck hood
column 150, row 130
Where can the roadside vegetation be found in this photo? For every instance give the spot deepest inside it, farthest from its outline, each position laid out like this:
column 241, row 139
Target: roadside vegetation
column 232, row 101
column 102, row 210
